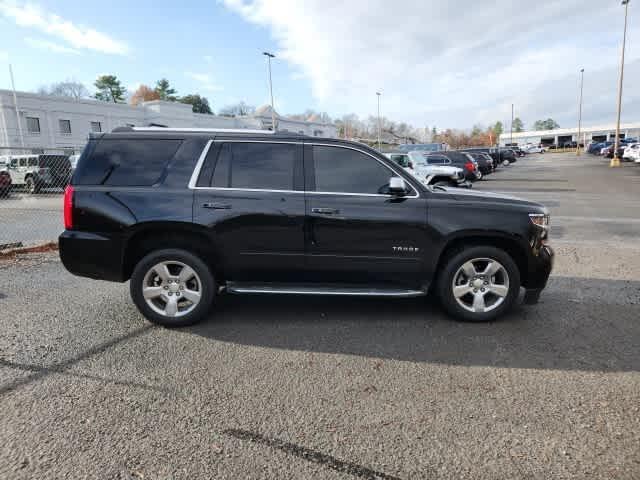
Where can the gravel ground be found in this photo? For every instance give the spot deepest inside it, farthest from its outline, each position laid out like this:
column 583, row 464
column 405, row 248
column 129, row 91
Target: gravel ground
column 291, row 387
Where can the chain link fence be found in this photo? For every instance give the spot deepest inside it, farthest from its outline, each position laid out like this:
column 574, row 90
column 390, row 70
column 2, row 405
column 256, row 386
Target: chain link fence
column 32, row 182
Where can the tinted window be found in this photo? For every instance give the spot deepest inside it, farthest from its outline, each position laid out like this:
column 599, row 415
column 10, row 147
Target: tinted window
column 349, row 171
column 124, row 162
column 436, row 160
column 265, row 166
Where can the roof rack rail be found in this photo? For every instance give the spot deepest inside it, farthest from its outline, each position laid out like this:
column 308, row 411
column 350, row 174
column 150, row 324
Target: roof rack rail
column 203, row 130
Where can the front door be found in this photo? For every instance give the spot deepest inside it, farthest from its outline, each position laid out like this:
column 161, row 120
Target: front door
column 250, row 198
column 357, row 231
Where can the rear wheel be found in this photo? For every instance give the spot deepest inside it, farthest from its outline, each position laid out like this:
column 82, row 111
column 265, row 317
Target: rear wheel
column 172, row 287
column 478, row 284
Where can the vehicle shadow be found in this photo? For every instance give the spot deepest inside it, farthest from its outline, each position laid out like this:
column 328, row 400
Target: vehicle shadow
column 580, row 324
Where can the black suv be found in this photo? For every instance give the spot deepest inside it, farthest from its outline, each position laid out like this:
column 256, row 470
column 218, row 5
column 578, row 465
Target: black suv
column 186, row 215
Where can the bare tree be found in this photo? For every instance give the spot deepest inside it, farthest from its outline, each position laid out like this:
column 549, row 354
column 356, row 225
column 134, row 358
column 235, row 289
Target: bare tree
column 239, row 109
column 68, row 89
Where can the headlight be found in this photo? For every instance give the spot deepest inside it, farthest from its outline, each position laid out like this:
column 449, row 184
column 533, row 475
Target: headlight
column 540, row 219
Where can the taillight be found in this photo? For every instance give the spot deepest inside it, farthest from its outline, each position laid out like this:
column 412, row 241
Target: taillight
column 470, row 166
column 68, row 207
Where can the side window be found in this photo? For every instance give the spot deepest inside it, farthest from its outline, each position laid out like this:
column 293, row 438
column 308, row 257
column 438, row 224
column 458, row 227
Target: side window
column 126, row 162
column 23, row 162
column 436, row 160
column 342, row 170
column 262, row 166
column 33, row 161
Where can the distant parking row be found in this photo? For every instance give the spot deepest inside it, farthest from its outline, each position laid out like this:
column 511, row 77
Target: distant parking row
column 458, row 168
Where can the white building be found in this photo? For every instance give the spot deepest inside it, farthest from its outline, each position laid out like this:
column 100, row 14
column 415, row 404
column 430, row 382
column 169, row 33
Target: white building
column 561, row 136
column 63, row 123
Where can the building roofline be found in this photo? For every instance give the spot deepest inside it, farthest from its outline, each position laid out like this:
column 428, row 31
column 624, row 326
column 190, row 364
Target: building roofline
column 560, row 131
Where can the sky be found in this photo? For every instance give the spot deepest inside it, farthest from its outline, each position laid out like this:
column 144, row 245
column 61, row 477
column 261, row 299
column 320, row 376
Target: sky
column 436, row 63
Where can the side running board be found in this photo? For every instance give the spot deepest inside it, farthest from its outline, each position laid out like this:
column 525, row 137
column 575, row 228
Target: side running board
column 342, row 290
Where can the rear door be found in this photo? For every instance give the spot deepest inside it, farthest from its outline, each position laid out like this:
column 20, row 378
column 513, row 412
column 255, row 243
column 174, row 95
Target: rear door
column 357, row 232
column 250, row 197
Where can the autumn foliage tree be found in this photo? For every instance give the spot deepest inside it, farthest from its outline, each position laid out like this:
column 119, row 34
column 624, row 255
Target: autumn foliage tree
column 144, row 94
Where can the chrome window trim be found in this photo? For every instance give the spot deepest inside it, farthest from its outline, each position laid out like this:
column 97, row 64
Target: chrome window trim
column 415, row 191
column 196, row 172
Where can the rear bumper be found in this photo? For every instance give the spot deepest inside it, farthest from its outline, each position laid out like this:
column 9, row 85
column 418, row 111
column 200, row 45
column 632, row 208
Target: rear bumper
column 92, row 255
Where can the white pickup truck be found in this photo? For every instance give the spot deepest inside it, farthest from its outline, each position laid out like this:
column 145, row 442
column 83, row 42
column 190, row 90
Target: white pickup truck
column 417, row 165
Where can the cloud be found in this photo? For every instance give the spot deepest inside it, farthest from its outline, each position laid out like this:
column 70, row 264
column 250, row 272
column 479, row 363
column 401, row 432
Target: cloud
column 450, row 64
column 205, row 81
column 75, row 36
column 50, row 46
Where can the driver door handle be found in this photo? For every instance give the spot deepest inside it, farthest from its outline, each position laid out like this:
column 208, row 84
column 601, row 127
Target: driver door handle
column 217, row 206
column 325, row 211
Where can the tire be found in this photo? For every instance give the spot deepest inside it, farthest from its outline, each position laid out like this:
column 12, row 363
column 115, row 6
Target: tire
column 31, row 186
column 443, row 183
column 164, row 294
column 505, row 282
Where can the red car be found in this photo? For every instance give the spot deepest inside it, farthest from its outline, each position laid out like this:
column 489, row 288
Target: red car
column 5, row 183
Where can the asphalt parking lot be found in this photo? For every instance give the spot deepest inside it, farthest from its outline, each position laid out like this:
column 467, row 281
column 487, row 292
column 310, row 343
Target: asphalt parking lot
column 288, row 387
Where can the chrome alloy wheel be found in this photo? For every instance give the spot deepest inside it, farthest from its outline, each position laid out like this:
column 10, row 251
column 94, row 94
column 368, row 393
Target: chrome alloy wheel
column 480, row 285
column 172, row 288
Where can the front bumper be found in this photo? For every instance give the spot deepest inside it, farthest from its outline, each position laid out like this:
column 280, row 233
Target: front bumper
column 92, row 255
column 540, row 267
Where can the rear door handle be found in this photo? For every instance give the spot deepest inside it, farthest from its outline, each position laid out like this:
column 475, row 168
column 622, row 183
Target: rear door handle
column 217, row 206
column 325, row 211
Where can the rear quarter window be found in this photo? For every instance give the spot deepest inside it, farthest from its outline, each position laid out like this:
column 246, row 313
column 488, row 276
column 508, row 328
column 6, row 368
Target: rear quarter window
column 126, row 162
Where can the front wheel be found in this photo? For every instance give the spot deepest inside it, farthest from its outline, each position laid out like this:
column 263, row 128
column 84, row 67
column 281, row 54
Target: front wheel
column 31, row 186
column 172, row 287
column 478, row 284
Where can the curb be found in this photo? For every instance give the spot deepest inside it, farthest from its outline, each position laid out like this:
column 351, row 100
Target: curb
column 12, row 250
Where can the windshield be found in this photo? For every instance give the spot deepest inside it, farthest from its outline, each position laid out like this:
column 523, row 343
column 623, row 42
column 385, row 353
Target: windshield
column 417, row 159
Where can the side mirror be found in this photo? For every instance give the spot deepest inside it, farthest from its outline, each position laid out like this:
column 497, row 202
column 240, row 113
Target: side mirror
column 397, row 186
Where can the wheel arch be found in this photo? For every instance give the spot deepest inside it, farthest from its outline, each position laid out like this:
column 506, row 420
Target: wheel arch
column 150, row 236
column 511, row 245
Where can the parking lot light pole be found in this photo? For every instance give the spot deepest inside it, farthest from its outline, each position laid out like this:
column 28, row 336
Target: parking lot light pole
column 615, row 161
column 379, row 124
column 511, row 132
column 273, row 111
column 580, row 111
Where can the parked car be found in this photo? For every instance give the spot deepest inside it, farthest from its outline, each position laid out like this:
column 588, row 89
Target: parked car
column 596, row 148
column 34, row 172
column 484, row 166
column 185, row 215
column 456, row 159
column 632, row 152
column 73, row 161
column 416, row 164
column 571, row 144
column 494, row 153
column 534, row 149
column 5, row 180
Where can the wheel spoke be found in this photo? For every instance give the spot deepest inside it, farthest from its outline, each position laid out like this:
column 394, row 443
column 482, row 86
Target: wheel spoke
column 163, row 271
column 469, row 269
column 186, row 273
column 462, row 290
column 152, row 292
column 172, row 307
column 492, row 269
column 478, row 302
column 191, row 295
column 500, row 290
